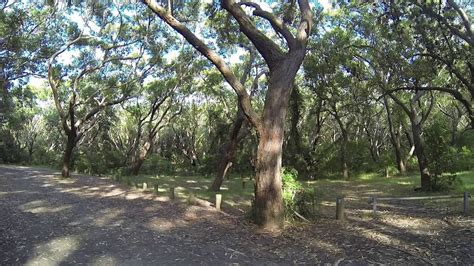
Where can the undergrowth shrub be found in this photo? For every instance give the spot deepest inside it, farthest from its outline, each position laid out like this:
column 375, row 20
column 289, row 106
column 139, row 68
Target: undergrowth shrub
column 443, row 158
column 296, row 198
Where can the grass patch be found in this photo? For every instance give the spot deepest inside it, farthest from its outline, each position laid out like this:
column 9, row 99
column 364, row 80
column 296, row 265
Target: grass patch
column 360, row 186
column 233, row 193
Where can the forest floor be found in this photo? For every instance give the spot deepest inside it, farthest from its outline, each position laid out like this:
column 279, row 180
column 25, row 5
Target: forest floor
column 45, row 220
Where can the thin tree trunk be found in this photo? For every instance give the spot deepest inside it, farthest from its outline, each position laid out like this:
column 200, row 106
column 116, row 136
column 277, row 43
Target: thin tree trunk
column 228, row 151
column 344, row 143
column 420, row 155
column 395, row 139
column 344, row 159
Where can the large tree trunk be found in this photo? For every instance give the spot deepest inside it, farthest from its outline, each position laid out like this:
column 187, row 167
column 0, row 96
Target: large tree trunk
column 228, row 151
column 420, row 154
column 269, row 207
column 67, row 159
column 270, row 127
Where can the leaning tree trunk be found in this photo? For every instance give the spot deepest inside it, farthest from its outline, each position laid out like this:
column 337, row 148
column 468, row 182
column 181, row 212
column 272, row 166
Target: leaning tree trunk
column 67, row 159
column 140, row 159
column 420, row 155
column 228, row 151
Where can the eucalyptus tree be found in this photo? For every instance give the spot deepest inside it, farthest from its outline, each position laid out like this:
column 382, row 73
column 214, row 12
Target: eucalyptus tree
column 238, row 127
column 161, row 107
column 405, row 70
column 443, row 32
column 339, row 80
column 107, row 54
column 283, row 61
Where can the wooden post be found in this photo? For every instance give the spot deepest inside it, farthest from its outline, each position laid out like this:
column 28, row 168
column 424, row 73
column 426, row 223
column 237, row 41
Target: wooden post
column 466, row 203
column 191, row 199
column 155, row 188
column 243, row 183
column 340, row 208
column 374, row 205
column 171, row 194
column 218, row 201
column 145, row 186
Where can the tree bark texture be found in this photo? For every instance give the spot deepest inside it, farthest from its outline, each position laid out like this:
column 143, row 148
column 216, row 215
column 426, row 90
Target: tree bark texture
column 67, row 159
column 268, row 184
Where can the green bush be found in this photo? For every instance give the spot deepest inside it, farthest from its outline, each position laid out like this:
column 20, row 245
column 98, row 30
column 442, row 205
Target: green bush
column 296, row 198
column 445, row 182
column 444, row 158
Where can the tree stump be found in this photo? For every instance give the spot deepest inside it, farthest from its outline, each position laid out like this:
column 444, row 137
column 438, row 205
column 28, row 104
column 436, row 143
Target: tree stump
column 466, row 203
column 171, row 193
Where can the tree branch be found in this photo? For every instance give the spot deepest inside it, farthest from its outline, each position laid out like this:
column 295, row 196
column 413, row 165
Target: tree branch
column 269, row 50
column 199, row 45
column 277, row 24
column 53, row 83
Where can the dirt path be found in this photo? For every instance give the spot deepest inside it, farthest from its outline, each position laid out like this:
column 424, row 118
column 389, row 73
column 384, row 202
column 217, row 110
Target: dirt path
column 89, row 220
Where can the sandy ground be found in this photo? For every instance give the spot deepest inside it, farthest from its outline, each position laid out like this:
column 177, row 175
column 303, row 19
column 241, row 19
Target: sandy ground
column 45, row 220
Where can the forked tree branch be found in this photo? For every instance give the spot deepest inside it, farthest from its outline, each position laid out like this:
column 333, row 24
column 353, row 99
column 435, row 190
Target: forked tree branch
column 198, row 44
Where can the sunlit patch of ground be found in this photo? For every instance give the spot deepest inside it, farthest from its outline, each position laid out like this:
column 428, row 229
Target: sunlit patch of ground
column 142, row 224
column 54, row 251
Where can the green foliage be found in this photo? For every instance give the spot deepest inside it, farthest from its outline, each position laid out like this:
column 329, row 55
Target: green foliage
column 444, row 158
column 298, row 199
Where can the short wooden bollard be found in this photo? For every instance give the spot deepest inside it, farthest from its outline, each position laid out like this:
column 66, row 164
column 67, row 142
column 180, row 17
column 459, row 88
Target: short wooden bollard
column 191, row 199
column 218, row 201
column 243, row 184
column 340, row 208
column 466, row 203
column 145, row 186
column 155, row 188
column 171, row 193
column 374, row 205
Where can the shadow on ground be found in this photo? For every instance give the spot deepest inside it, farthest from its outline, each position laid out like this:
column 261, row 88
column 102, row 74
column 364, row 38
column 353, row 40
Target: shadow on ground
column 48, row 221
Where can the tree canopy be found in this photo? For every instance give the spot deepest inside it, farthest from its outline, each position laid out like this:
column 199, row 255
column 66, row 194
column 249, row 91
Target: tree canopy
column 249, row 87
